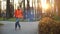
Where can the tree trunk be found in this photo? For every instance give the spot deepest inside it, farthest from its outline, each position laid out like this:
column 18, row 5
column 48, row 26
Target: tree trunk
column 24, row 9
column 0, row 8
column 8, row 9
column 58, row 5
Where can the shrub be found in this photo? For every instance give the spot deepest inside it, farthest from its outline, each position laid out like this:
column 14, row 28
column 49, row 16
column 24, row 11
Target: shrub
column 48, row 26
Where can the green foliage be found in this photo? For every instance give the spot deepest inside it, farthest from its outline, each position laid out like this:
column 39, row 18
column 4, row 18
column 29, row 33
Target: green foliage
column 56, row 18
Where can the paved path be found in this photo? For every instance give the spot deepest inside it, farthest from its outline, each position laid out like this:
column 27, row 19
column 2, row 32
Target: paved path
column 26, row 28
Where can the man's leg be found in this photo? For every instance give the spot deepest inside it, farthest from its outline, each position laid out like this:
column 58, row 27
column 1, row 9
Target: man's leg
column 19, row 25
column 16, row 25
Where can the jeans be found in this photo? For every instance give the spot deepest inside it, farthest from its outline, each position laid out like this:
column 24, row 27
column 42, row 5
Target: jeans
column 17, row 23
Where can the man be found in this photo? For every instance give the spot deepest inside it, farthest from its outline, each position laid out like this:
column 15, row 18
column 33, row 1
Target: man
column 18, row 14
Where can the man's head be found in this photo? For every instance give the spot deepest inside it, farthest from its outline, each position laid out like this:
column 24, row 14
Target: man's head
column 18, row 8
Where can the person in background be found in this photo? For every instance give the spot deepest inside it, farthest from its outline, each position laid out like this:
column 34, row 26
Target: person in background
column 18, row 14
column 4, row 15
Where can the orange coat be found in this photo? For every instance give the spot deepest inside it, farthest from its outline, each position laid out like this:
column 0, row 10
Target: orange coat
column 18, row 13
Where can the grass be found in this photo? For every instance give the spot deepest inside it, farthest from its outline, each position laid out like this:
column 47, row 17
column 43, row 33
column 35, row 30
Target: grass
column 11, row 19
column 1, row 24
column 14, row 19
column 1, row 18
column 23, row 20
column 57, row 18
column 27, row 20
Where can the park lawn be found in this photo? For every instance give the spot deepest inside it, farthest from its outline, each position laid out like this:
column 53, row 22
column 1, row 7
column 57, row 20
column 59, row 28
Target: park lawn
column 1, row 18
column 26, row 20
column 1, row 24
column 11, row 19
column 56, row 18
column 14, row 19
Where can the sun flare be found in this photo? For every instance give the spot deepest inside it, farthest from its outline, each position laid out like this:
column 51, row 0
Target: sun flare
column 44, row 4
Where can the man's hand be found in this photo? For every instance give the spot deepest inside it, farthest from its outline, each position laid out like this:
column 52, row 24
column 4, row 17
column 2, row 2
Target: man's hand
column 14, row 16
